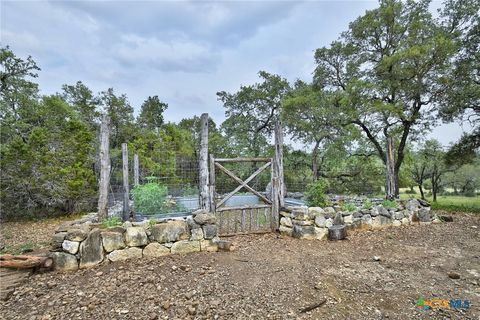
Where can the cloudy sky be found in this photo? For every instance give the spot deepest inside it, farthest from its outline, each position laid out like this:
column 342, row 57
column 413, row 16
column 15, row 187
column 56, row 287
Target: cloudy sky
column 182, row 51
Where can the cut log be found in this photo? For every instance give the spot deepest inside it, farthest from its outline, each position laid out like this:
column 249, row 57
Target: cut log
column 25, row 262
column 313, row 306
column 337, row 232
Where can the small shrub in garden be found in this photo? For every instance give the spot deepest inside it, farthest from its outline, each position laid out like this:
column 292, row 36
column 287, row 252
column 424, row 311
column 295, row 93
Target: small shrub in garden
column 350, row 207
column 391, row 204
column 149, row 198
column 315, row 194
column 367, row 204
column 111, row 222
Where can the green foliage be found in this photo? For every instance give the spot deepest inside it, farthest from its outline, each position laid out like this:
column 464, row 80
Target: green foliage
column 315, row 194
column 350, row 207
column 111, row 222
column 150, row 198
column 367, row 204
column 390, row 204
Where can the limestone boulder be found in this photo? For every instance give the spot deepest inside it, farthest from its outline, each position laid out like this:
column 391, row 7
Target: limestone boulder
column 196, row 234
column 91, row 250
column 208, row 246
column 64, row 261
column 155, row 250
column 125, row 254
column 192, row 224
column 209, row 231
column 170, row 231
column 113, row 241
column 76, row 235
column 70, row 246
column 57, row 240
column 185, row 246
column 304, row 232
column 204, row 218
column 286, row 221
column 285, row 231
column 136, row 237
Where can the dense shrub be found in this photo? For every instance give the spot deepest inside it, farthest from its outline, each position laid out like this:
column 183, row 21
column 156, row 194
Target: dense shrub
column 315, row 194
column 150, row 198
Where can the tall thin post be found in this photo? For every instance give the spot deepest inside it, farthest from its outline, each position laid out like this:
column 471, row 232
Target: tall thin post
column 211, row 189
column 390, row 190
column 104, row 157
column 278, row 187
column 203, row 163
column 126, row 191
column 136, row 175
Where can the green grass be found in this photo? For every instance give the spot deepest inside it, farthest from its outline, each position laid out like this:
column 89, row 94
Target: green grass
column 451, row 203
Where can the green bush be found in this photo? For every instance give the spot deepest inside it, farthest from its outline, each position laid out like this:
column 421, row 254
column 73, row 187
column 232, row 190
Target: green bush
column 350, row 207
column 367, row 204
column 391, row 204
column 315, row 194
column 150, row 198
column 111, row 222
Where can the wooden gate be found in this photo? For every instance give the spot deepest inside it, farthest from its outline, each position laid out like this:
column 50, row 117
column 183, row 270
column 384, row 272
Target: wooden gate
column 258, row 218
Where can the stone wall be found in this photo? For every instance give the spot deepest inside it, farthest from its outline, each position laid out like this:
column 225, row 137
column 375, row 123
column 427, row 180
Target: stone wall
column 312, row 223
column 85, row 243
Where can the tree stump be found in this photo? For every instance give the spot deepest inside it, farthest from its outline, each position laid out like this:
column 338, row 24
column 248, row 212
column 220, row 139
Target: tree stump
column 337, row 232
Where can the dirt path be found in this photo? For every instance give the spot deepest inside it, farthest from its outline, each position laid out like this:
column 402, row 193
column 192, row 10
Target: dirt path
column 269, row 277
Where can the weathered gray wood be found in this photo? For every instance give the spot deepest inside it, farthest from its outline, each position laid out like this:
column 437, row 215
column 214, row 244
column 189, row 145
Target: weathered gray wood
column 136, row 173
column 104, row 159
column 243, row 159
column 126, row 189
column 244, row 219
column 243, row 184
column 390, row 190
column 203, row 163
column 256, row 206
column 337, row 232
column 279, row 162
column 212, row 184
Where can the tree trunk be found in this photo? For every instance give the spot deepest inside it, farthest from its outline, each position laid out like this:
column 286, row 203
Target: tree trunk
column 203, row 163
column 104, row 157
column 422, row 195
column 391, row 189
column 314, row 160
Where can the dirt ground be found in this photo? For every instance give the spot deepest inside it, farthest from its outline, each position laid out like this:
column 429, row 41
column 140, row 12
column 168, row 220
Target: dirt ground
column 270, row 277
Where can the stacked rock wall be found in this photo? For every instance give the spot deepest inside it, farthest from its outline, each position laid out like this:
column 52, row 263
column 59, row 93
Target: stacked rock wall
column 313, row 222
column 84, row 243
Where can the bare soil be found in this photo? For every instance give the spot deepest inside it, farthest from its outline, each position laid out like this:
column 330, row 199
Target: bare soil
column 271, row 277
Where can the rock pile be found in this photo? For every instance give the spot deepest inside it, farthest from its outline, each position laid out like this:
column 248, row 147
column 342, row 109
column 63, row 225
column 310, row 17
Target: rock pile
column 86, row 244
column 312, row 223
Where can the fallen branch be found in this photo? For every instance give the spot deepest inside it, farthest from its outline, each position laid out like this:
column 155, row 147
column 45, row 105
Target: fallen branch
column 25, row 262
column 313, row 306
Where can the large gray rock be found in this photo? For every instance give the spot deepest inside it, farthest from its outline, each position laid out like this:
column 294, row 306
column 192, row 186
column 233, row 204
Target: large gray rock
column 64, row 261
column 192, row 224
column 113, row 241
column 384, row 212
column 185, row 246
column 308, row 222
column 76, row 235
column 367, row 219
column 412, row 204
column 196, row 234
column 136, row 237
column 304, row 232
column 170, row 231
column 321, row 233
column 57, row 240
column 399, row 215
column 285, row 231
column 316, row 211
column 424, row 215
column 91, row 250
column 155, row 250
column 286, row 221
column 209, row 231
column 125, row 254
column 205, row 218
column 70, row 246
column 301, row 213
column 320, row 221
column 209, row 245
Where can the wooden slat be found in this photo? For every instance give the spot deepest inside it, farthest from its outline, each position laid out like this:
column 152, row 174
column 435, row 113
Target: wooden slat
column 243, row 184
column 243, row 220
column 243, row 159
column 256, row 206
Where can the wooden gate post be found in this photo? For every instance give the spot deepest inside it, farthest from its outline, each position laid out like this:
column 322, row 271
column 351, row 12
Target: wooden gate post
column 126, row 191
column 211, row 189
column 136, row 175
column 104, row 158
column 203, row 163
column 278, row 187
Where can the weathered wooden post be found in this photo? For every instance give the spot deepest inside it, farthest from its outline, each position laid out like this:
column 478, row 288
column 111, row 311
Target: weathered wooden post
column 278, row 187
column 211, row 188
column 126, row 191
column 104, row 157
column 390, row 190
column 203, row 163
column 136, row 175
